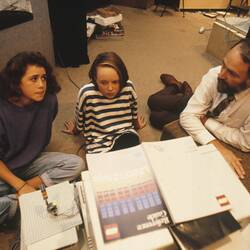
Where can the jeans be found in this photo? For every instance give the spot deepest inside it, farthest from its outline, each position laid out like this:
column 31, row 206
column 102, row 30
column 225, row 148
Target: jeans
column 8, row 207
column 52, row 167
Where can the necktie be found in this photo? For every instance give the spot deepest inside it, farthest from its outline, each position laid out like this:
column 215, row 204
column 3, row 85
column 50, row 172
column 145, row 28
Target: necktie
column 221, row 106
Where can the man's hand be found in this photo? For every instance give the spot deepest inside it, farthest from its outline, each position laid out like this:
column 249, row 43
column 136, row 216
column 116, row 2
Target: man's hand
column 231, row 158
column 203, row 119
column 140, row 123
column 70, row 127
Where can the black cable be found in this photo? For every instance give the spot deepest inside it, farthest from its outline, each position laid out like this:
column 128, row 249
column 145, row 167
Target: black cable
column 65, row 69
column 82, row 146
column 69, row 77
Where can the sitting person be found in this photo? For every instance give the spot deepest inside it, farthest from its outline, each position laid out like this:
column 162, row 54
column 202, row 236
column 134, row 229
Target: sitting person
column 28, row 107
column 106, row 109
column 218, row 112
column 167, row 104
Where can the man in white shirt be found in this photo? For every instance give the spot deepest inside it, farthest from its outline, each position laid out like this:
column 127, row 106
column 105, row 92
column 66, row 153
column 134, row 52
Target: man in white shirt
column 201, row 118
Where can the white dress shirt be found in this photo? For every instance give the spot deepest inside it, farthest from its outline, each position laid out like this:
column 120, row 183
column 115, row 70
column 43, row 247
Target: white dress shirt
column 232, row 126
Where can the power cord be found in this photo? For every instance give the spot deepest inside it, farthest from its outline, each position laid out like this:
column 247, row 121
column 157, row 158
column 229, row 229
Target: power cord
column 70, row 79
column 65, row 69
column 82, row 146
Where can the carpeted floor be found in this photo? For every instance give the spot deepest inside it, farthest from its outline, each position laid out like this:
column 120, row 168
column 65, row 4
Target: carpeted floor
column 152, row 45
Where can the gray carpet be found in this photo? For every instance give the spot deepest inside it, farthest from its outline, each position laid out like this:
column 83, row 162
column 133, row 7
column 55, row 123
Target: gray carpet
column 152, row 45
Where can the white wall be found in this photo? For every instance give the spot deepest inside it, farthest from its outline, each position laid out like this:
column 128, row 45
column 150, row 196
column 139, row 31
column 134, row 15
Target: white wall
column 204, row 4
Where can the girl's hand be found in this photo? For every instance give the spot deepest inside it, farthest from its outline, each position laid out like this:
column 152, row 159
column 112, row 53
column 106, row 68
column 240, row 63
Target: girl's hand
column 70, row 127
column 26, row 189
column 140, row 123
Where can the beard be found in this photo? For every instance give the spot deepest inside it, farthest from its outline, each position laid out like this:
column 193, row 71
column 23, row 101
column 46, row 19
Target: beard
column 224, row 87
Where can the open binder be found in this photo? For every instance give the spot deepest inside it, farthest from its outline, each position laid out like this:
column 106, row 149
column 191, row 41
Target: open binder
column 192, row 185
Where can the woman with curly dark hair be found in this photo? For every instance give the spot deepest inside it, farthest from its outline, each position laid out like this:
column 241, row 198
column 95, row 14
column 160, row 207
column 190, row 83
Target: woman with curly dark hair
column 28, row 107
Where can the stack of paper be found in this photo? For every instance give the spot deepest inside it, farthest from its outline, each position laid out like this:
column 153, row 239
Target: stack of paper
column 196, row 184
column 153, row 240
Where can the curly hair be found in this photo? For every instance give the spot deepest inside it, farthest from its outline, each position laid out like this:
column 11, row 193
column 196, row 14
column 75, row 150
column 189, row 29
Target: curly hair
column 112, row 60
column 11, row 75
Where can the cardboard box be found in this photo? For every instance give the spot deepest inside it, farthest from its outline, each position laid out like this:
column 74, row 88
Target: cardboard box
column 222, row 37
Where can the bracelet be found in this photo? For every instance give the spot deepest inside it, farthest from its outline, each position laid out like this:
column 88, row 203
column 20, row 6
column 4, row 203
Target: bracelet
column 21, row 187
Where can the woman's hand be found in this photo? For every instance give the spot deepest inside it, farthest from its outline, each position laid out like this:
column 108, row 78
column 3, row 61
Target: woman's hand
column 70, row 127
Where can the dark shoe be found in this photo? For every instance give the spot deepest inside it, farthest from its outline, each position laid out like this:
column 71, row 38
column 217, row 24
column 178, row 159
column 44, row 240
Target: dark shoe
column 168, row 79
column 186, row 89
